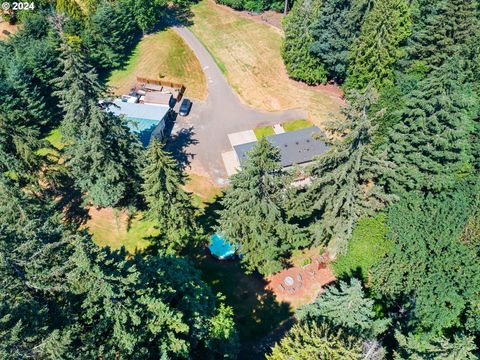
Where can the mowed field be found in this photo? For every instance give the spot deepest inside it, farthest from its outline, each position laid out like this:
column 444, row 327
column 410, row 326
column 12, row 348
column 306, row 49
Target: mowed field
column 163, row 55
column 249, row 53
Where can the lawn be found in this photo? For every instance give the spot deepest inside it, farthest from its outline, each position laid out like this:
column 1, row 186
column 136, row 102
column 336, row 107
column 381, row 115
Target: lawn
column 263, row 132
column 250, row 53
column 163, row 55
column 296, row 125
column 109, row 228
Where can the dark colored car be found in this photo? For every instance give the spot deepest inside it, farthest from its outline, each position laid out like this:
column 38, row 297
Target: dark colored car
column 185, row 107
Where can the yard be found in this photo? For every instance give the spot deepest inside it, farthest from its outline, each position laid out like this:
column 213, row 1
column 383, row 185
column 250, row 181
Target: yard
column 293, row 125
column 249, row 55
column 162, row 55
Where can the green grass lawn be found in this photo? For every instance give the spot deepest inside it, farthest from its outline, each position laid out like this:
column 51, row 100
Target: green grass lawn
column 296, row 125
column 263, row 131
column 110, row 230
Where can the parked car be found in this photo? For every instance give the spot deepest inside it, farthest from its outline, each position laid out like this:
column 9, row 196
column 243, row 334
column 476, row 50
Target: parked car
column 185, row 107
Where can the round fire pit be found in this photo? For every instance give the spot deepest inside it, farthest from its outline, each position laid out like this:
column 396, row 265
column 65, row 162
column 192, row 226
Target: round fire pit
column 288, row 281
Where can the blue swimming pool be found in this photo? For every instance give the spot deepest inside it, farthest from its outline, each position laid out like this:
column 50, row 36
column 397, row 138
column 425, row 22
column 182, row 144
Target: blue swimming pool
column 220, row 248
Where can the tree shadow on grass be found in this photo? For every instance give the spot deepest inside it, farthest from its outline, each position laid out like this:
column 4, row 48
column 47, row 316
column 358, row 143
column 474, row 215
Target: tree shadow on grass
column 178, row 145
column 256, row 311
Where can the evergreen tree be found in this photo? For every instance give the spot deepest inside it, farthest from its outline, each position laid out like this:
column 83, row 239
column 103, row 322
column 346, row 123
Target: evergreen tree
column 334, row 30
column 168, row 204
column 308, row 341
column 101, row 153
column 444, row 29
column 253, row 214
column 301, row 64
column 431, row 145
column 347, row 179
column 63, row 296
column 18, row 145
column 437, row 348
column 110, row 33
column 377, row 47
column 428, row 263
column 346, row 307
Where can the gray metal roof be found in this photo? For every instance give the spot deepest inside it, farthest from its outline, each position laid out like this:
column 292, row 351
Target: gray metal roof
column 139, row 111
column 296, row 147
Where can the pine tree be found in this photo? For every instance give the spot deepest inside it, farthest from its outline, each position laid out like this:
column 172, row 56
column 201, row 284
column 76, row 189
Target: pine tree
column 431, row 144
column 101, row 152
column 429, row 264
column 346, row 307
column 347, row 179
column 377, row 47
column 63, row 296
column 301, row 64
column 168, row 204
column 253, row 214
column 412, row 347
column 444, row 29
column 109, row 34
column 311, row 341
column 334, row 31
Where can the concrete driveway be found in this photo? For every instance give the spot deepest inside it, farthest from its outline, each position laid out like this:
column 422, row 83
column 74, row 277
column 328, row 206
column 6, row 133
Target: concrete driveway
column 201, row 137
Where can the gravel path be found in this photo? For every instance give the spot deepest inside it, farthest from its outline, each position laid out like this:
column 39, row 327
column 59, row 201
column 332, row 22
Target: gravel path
column 201, row 137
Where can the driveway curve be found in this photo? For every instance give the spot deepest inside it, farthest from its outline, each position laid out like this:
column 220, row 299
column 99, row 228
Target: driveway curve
column 220, row 114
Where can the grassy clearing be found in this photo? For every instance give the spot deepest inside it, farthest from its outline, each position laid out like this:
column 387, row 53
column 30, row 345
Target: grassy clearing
column 263, row 132
column 111, row 229
column 296, row 125
column 250, row 53
column 163, row 55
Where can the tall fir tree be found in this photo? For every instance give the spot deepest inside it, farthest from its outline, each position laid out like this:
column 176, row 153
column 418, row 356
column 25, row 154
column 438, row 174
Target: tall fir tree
column 168, row 204
column 346, row 307
column 432, row 143
column 101, row 152
column 334, row 31
column 63, row 296
column 253, row 214
column 444, row 29
column 308, row 341
column 348, row 179
column 300, row 62
column 378, row 46
column 429, row 265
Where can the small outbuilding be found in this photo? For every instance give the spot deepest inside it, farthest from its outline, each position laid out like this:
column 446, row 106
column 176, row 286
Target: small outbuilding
column 145, row 120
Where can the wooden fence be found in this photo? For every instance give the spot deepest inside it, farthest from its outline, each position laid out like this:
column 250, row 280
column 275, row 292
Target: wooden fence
column 180, row 87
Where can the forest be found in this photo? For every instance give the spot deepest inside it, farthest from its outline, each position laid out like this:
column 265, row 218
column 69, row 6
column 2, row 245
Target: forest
column 395, row 201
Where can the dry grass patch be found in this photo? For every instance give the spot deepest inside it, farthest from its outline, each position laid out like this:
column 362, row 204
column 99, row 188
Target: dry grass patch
column 111, row 228
column 250, row 53
column 163, row 55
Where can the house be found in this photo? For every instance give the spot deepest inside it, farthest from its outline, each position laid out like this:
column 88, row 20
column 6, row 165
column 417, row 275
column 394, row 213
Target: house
column 296, row 147
column 144, row 119
column 158, row 99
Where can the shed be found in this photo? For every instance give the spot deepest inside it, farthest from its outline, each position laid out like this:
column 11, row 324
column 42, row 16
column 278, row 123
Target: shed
column 158, row 98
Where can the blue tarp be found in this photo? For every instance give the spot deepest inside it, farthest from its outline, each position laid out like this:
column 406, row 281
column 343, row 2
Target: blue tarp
column 220, row 248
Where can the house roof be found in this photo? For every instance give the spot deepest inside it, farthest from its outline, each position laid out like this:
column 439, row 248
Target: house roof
column 157, row 98
column 296, row 147
column 143, row 116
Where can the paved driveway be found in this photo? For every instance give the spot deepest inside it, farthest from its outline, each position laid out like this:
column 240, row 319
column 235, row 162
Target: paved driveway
column 201, row 137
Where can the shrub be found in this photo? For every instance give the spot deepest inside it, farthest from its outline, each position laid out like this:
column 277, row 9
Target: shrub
column 368, row 245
